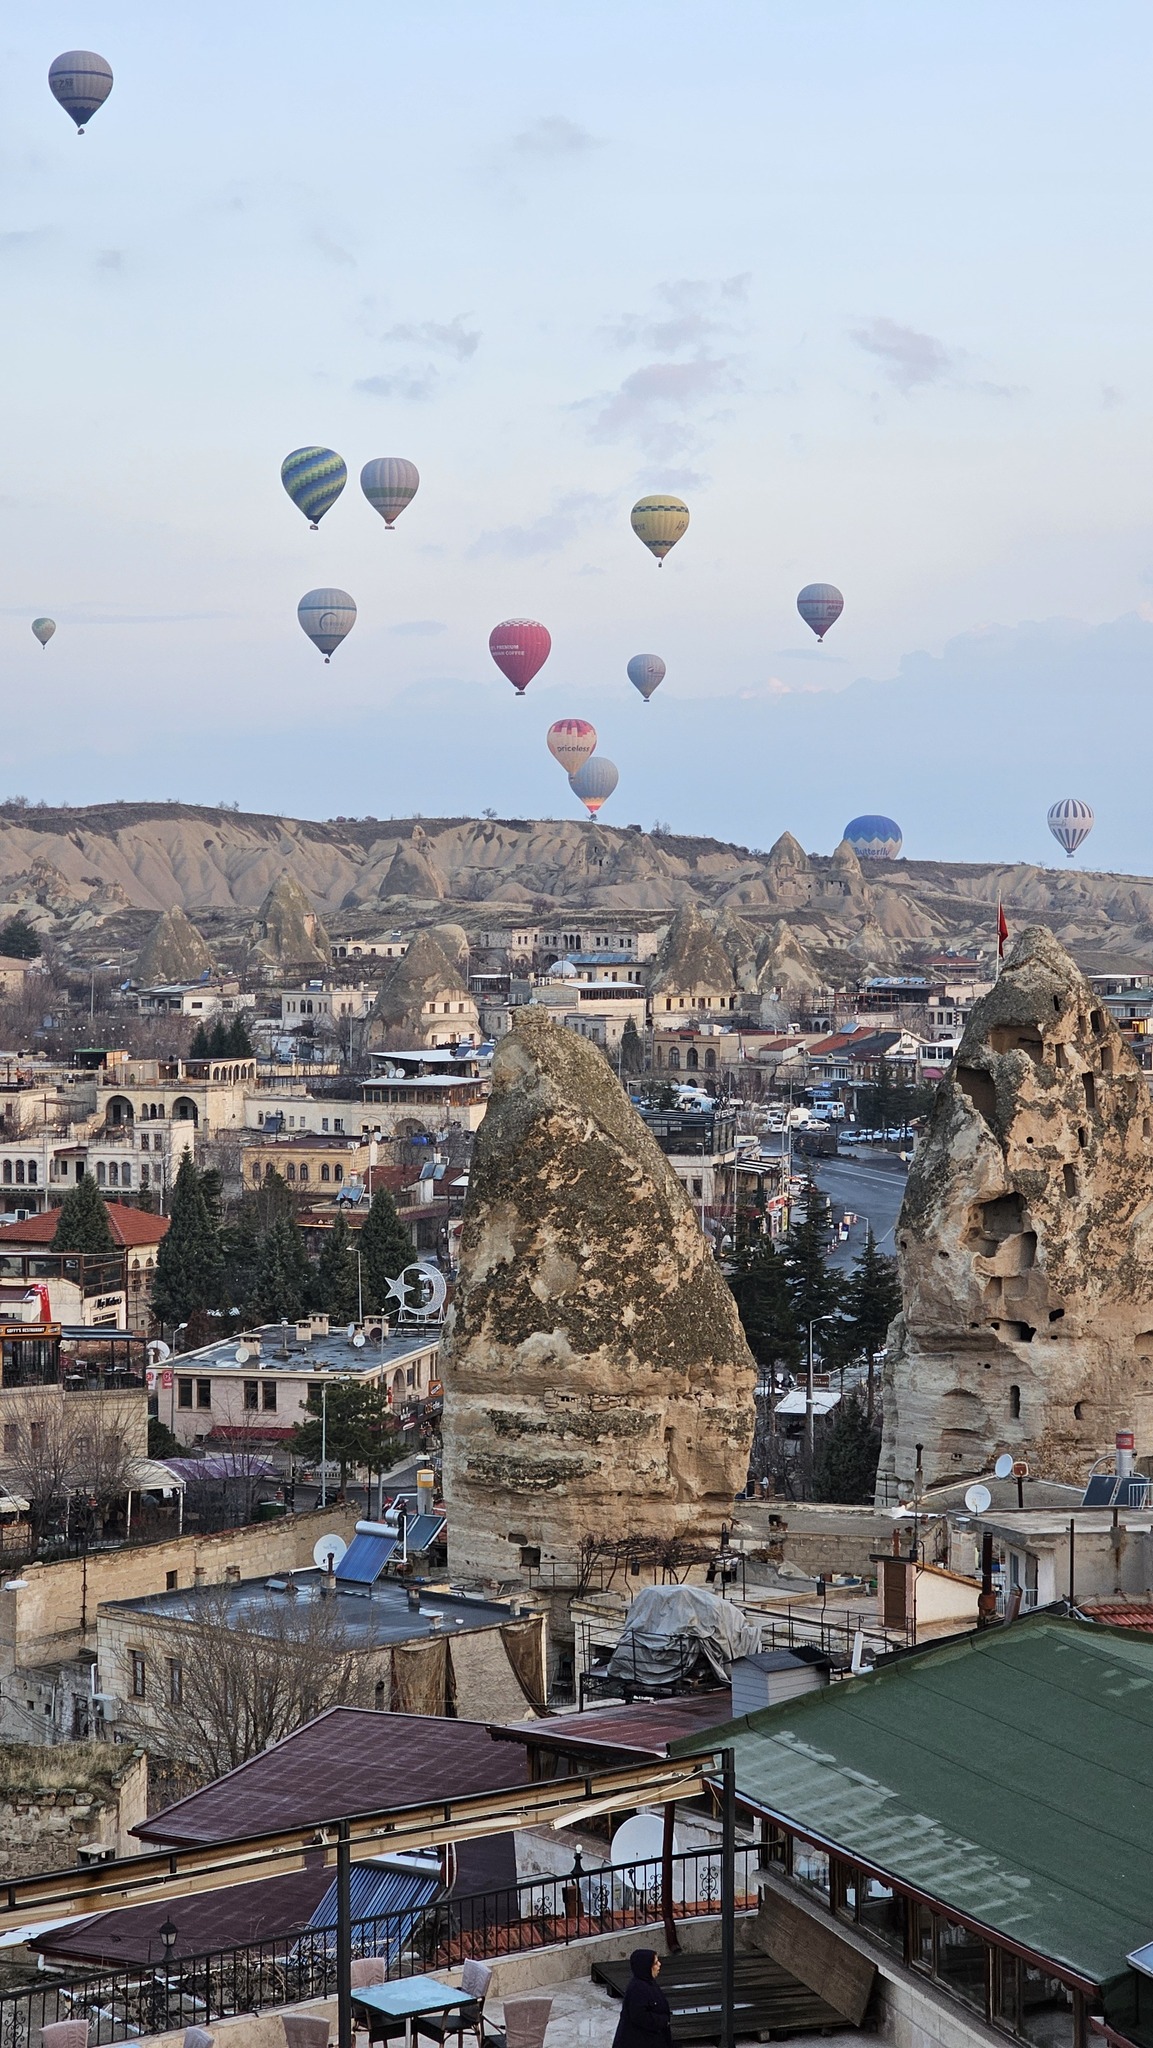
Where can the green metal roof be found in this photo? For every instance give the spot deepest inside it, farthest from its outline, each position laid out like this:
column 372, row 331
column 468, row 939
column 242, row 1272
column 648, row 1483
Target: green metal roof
column 1008, row 1774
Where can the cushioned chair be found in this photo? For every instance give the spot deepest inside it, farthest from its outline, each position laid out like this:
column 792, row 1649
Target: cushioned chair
column 198, row 2037
column 302, row 2030
column 366, row 1971
column 526, row 2021
column 65, row 2034
column 475, row 1978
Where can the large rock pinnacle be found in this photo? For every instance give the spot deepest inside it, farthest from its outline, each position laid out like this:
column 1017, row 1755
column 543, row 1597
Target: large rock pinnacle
column 597, row 1381
column 1026, row 1240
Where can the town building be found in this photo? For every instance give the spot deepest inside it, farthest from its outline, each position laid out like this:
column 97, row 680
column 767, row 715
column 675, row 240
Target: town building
column 200, row 999
column 392, row 946
column 701, row 1148
column 135, row 1232
column 309, row 1160
column 424, row 999
column 427, row 1088
column 533, row 946
column 597, row 1008
column 253, row 1385
column 314, row 1004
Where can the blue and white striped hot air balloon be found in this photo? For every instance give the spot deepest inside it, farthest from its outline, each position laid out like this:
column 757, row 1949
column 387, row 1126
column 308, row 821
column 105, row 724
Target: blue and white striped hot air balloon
column 873, row 837
column 328, row 617
column 314, row 479
column 1070, row 822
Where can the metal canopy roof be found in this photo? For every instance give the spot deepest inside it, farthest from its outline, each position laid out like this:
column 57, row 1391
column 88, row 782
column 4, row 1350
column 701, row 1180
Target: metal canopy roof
column 1008, row 1775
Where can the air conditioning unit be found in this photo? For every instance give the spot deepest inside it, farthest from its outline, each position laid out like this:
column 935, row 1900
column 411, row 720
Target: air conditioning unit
column 95, row 1852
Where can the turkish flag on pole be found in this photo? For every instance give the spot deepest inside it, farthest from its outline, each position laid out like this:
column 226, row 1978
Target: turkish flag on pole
column 1002, row 930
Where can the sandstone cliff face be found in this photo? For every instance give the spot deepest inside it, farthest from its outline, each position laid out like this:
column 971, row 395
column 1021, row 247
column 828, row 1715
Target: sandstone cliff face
column 173, row 951
column 597, row 1381
column 423, row 974
column 1026, row 1240
column 287, row 931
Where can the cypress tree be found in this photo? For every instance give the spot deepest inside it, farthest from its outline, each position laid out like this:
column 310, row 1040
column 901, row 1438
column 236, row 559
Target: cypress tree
column 189, row 1270
column 198, row 1046
column 82, row 1222
column 282, row 1282
column 632, row 1050
column 815, row 1290
column 335, row 1290
column 760, row 1287
column 19, row 939
column 239, row 1044
column 845, row 1468
column 385, row 1248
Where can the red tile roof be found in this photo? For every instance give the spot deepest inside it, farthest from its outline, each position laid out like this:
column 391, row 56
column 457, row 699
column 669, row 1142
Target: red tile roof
column 1120, row 1613
column 130, row 1228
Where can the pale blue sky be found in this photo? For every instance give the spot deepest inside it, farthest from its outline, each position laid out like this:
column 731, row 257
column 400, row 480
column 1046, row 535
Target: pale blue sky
column 867, row 282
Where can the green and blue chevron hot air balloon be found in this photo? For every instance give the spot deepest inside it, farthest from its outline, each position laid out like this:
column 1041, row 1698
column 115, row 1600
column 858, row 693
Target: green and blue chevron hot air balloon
column 314, row 479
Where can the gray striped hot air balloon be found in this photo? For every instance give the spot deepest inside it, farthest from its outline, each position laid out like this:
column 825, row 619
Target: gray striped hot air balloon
column 43, row 629
column 81, row 82
column 820, row 606
column 328, row 617
column 646, row 673
column 1070, row 822
column 594, row 783
column 389, row 483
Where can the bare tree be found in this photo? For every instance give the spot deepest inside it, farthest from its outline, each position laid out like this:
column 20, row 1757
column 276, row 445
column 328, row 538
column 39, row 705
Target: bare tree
column 102, row 1454
column 217, row 1693
column 60, row 1446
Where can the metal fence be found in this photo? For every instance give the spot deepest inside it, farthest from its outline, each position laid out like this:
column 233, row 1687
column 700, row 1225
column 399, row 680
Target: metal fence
column 153, row 1997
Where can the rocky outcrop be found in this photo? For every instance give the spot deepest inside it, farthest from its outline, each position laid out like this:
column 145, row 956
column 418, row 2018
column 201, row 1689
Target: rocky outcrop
column 783, row 963
column 597, row 1381
column 173, row 951
column 422, row 976
column 411, row 873
column 1026, row 1240
column 288, row 931
column 692, row 960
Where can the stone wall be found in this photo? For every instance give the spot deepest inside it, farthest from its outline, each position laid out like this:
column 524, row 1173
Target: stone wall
column 52, row 1802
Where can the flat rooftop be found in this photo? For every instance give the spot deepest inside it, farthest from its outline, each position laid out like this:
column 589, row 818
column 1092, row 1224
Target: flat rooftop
column 338, row 1352
column 386, row 1617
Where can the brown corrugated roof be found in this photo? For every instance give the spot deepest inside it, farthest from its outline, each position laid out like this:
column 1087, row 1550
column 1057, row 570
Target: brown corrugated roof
column 204, row 1921
column 644, row 1728
column 129, row 1227
column 349, row 1760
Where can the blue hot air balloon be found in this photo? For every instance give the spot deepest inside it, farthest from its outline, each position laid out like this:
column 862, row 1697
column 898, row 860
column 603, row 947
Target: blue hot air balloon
column 594, row 783
column 314, row 479
column 873, row 838
column 820, row 606
column 327, row 616
column 646, row 673
column 81, row 81
column 1070, row 822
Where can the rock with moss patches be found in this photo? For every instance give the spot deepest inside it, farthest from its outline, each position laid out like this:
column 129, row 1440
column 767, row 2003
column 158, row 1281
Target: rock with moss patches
column 1026, row 1240
column 597, row 1382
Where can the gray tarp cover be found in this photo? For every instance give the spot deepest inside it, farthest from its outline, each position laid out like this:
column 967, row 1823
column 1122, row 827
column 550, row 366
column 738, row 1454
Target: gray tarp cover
column 667, row 1624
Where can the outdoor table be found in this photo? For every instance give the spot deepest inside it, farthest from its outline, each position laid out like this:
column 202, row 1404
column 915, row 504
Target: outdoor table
column 409, row 1999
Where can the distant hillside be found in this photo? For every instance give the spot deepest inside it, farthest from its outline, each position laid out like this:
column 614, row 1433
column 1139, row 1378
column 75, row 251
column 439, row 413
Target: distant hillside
column 96, row 878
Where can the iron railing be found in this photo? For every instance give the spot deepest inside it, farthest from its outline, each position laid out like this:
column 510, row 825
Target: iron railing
column 157, row 1996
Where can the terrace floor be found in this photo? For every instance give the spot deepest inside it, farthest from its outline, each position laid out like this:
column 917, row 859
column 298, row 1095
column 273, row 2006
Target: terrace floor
column 585, row 2016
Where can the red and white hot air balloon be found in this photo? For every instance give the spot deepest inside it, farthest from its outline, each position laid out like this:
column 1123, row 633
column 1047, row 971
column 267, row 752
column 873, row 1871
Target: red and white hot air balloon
column 519, row 648
column 571, row 741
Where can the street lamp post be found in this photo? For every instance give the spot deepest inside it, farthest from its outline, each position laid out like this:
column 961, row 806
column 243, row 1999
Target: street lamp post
column 809, row 1430
column 324, row 1446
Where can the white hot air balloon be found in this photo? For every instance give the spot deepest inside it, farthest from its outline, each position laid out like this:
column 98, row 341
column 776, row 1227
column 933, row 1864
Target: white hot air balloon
column 389, row 483
column 327, row 616
column 571, row 741
column 1070, row 822
column 646, row 673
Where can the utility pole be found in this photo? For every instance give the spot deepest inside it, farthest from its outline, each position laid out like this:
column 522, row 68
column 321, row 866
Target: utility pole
column 324, row 1446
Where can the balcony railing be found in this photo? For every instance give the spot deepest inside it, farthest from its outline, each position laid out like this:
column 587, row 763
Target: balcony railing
column 154, row 1997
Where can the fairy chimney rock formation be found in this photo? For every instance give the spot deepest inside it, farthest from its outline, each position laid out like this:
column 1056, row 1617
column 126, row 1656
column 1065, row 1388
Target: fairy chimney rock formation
column 423, row 998
column 1026, row 1240
column 597, row 1381
column 288, row 931
column 173, row 951
column 692, row 970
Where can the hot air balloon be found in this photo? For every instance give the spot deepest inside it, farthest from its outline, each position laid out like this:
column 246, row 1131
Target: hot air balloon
column 327, row 616
column 820, row 606
column 571, row 741
column 873, row 838
column 659, row 522
column 314, row 479
column 646, row 673
column 594, row 783
column 389, row 483
column 519, row 648
column 81, row 81
column 1070, row 822
column 44, row 629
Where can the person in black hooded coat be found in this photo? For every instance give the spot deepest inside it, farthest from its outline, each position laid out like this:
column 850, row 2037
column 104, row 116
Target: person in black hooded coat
column 646, row 2019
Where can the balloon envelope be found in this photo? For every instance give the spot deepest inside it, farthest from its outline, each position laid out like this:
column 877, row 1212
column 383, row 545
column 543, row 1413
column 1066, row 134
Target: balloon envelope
column 820, row 606
column 327, row 616
column 389, row 483
column 519, row 648
column 571, row 741
column 1070, row 822
column 44, row 629
column 81, row 81
column 594, row 783
column 659, row 522
column 646, row 672
column 314, row 479
column 873, row 838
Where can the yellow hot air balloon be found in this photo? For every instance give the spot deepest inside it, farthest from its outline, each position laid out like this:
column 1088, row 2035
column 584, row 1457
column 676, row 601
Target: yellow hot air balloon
column 660, row 522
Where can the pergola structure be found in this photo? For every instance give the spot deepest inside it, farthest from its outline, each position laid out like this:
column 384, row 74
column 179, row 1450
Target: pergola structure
column 167, row 1874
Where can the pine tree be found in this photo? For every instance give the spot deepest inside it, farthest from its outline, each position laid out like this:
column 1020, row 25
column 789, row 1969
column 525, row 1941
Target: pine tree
column 282, row 1282
column 19, row 938
column 199, row 1047
column 814, row 1289
column 239, row 1046
column 761, row 1289
column 632, row 1049
column 346, row 1433
column 845, row 1468
column 189, row 1269
column 385, row 1249
column 335, row 1289
column 82, row 1220
column 872, row 1298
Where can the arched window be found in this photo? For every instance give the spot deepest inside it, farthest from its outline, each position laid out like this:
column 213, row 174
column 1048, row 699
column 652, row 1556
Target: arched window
column 326, row 1173
column 100, row 1174
column 113, row 1174
column 674, row 1057
column 119, row 1110
column 290, row 1173
column 185, row 1109
column 304, row 1173
column 20, row 1172
column 338, row 1173
column 692, row 1059
column 32, row 1171
column 710, row 1059
column 126, row 1175
column 8, row 1173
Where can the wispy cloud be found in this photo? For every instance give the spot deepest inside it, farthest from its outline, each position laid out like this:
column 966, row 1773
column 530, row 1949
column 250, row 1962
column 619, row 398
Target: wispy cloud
column 453, row 341
column 327, row 246
column 444, row 337
column 1111, row 397
column 24, row 241
column 664, row 403
column 412, row 384
column 690, row 312
column 570, row 516
column 554, row 135
column 911, row 360
column 110, row 259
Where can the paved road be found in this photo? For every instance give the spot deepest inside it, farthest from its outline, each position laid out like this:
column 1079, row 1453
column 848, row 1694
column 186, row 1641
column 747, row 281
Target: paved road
column 873, row 1191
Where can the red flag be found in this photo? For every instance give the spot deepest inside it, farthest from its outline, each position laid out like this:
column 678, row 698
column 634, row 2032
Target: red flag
column 1002, row 930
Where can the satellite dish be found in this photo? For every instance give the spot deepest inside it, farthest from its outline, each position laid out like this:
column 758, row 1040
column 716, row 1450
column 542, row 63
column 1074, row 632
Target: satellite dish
column 326, row 1547
column 639, row 1840
column 977, row 1499
column 242, row 1354
column 359, row 1341
column 1003, row 1469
